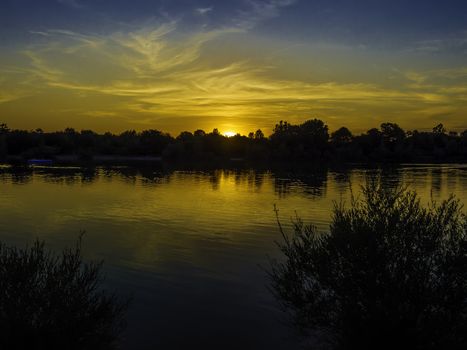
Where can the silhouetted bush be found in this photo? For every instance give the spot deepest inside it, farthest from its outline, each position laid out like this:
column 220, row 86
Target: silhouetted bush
column 389, row 274
column 50, row 301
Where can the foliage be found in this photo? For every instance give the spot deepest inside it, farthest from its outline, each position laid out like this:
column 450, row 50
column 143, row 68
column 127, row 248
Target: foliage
column 309, row 141
column 55, row 302
column 341, row 136
column 389, row 274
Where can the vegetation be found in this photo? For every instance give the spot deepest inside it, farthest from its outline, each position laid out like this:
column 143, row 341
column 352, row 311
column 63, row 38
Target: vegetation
column 308, row 142
column 390, row 274
column 54, row 302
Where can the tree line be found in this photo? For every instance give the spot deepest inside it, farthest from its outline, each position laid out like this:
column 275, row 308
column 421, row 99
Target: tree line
column 309, row 141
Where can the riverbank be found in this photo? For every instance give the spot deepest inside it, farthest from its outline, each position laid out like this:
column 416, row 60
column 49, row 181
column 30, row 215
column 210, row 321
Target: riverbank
column 216, row 162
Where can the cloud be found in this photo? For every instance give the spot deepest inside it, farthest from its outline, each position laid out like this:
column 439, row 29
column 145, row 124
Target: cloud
column 155, row 74
column 39, row 33
column 447, row 83
column 6, row 97
column 258, row 11
column 456, row 44
column 158, row 72
column 203, row 10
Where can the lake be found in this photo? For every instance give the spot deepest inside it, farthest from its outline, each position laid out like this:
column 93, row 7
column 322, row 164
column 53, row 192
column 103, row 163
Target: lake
column 191, row 247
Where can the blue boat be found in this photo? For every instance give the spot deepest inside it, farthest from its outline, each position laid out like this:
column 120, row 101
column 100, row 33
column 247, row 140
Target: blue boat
column 40, row 161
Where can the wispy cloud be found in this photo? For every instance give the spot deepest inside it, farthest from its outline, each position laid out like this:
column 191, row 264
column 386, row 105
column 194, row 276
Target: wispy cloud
column 34, row 32
column 258, row 11
column 158, row 75
column 456, row 44
column 159, row 72
column 203, row 10
column 14, row 83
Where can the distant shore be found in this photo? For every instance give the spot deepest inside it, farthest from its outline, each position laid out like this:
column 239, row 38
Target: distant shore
column 309, row 143
column 206, row 164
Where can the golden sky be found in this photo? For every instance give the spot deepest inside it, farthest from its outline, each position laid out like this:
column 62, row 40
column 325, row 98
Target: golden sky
column 175, row 73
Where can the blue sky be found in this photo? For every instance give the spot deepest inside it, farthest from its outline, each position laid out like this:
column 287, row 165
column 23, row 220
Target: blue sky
column 362, row 21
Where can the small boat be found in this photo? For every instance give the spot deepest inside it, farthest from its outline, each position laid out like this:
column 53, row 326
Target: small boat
column 40, row 161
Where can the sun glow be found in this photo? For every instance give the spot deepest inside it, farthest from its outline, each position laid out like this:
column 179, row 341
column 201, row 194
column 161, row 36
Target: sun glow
column 230, row 133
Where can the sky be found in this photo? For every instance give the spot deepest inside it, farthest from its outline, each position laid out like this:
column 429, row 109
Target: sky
column 237, row 65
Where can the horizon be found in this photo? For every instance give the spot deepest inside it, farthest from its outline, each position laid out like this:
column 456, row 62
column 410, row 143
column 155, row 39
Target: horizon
column 230, row 133
column 233, row 65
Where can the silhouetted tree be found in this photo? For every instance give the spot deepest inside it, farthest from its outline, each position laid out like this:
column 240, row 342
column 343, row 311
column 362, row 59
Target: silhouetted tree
column 4, row 128
column 369, row 143
column 281, row 127
column 199, row 133
column 439, row 129
column 185, row 136
column 392, row 132
column 390, row 274
column 153, row 142
column 341, row 136
column 259, row 134
column 3, row 145
column 308, row 141
column 55, row 302
column 316, row 132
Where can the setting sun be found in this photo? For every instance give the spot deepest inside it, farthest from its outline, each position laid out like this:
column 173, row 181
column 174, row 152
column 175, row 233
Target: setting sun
column 230, row 133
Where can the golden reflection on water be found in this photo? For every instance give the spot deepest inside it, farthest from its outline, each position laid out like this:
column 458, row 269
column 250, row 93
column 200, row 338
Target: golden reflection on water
column 187, row 239
column 141, row 208
column 227, row 200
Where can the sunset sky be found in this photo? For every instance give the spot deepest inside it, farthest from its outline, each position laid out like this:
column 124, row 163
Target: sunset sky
column 237, row 65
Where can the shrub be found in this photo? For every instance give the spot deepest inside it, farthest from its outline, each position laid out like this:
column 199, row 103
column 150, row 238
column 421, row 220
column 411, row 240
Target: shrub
column 50, row 301
column 390, row 273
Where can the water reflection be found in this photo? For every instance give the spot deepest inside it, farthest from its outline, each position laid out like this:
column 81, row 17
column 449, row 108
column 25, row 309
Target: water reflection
column 188, row 244
column 436, row 181
column 312, row 183
column 258, row 188
column 16, row 176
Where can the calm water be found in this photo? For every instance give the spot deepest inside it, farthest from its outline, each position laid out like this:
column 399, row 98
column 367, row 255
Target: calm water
column 190, row 247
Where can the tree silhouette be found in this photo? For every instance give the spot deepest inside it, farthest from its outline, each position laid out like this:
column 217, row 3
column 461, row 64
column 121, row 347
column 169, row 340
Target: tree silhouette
column 259, row 134
column 341, row 136
column 4, row 128
column 306, row 142
column 392, row 133
column 439, row 129
column 389, row 274
column 55, row 302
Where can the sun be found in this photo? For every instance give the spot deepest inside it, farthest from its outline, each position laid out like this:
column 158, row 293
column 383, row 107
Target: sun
column 229, row 133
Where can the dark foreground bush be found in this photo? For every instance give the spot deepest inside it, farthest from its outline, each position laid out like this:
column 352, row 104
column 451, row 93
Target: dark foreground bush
column 390, row 274
column 54, row 302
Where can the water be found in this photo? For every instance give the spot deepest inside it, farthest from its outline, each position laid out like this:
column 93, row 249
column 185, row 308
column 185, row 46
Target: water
column 190, row 247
